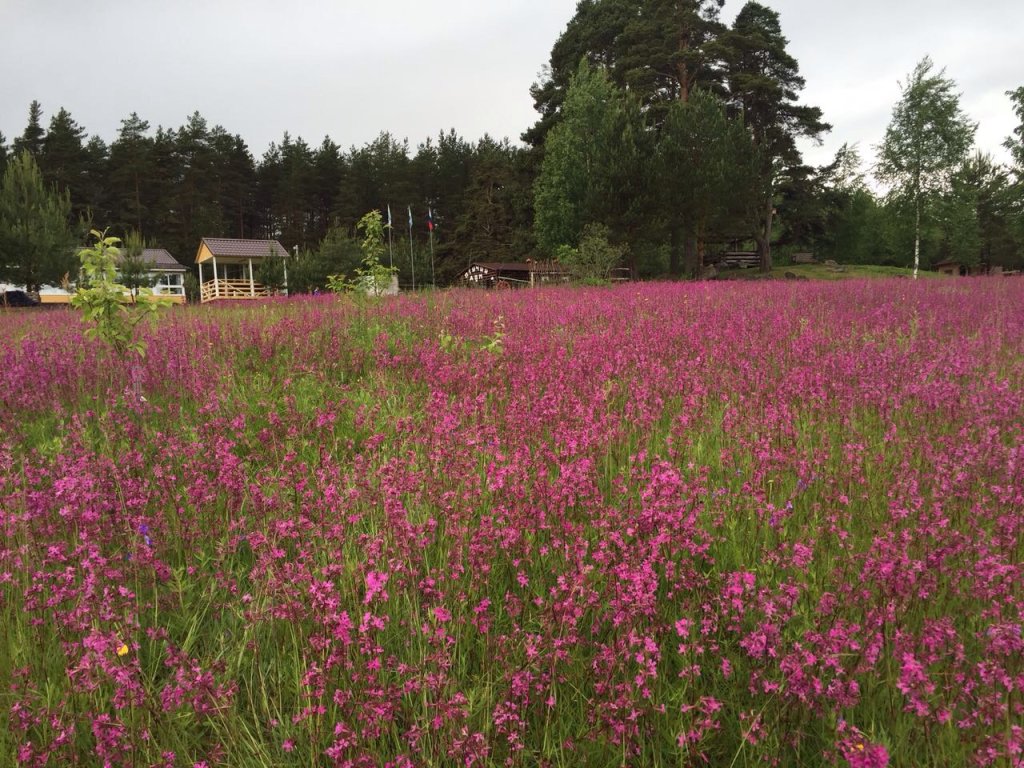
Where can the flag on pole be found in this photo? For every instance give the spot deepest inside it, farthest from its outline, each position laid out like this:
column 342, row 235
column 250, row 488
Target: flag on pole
column 430, row 220
column 389, row 215
column 410, row 217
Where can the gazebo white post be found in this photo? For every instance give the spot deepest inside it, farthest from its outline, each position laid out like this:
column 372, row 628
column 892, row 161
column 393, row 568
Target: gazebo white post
column 200, row 282
column 252, row 282
column 216, row 281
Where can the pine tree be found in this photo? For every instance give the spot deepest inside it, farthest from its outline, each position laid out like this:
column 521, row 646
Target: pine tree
column 704, row 172
column 660, row 50
column 31, row 140
column 36, row 242
column 594, row 164
column 63, row 160
column 484, row 230
column 328, row 171
column 763, row 82
column 1015, row 143
column 3, row 153
column 130, row 173
column 91, row 205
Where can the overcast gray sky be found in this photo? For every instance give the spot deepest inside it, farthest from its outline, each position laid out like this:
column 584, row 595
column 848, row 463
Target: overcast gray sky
column 352, row 69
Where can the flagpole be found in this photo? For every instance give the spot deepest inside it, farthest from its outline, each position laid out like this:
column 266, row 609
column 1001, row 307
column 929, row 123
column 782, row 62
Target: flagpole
column 412, row 258
column 391, row 240
column 433, row 282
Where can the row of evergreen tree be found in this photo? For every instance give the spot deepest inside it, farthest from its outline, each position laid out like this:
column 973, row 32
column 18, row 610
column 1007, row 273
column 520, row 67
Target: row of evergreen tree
column 673, row 132
column 689, row 132
column 175, row 186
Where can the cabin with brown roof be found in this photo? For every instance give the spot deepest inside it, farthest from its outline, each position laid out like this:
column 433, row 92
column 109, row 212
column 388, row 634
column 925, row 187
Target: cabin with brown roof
column 230, row 268
column 166, row 273
column 489, row 274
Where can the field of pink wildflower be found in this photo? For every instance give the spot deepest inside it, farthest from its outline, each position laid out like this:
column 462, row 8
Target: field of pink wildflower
column 734, row 525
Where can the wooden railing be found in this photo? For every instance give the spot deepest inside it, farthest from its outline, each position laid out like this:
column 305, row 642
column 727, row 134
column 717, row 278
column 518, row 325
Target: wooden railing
column 232, row 289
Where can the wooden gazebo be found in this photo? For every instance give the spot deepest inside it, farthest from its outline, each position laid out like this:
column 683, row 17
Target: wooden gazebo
column 231, row 267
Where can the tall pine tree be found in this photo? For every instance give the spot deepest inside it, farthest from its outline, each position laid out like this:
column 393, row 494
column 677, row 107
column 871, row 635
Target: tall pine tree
column 31, row 140
column 763, row 85
column 36, row 241
column 63, row 159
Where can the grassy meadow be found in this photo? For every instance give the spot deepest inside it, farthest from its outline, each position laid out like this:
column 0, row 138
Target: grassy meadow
column 725, row 524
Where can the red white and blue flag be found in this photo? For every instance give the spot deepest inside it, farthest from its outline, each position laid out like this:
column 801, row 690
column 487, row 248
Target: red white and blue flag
column 430, row 220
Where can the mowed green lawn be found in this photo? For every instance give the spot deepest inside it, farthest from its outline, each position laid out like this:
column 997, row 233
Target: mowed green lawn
column 822, row 272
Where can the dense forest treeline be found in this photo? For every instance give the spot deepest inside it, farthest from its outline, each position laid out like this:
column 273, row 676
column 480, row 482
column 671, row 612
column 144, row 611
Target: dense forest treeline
column 676, row 134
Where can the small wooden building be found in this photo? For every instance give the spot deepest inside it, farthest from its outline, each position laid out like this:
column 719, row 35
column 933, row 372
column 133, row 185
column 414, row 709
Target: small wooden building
column 230, row 267
column 166, row 273
column 493, row 274
column 741, row 259
column 952, row 267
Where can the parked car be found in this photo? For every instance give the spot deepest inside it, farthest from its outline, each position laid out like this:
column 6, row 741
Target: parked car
column 17, row 299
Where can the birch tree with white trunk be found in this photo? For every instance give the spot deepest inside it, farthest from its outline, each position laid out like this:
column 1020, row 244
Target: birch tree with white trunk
column 928, row 138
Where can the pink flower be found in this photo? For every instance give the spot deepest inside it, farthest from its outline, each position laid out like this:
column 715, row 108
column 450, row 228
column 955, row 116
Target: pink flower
column 375, row 582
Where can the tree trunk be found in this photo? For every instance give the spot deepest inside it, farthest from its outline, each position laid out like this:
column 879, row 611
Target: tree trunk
column 682, row 70
column 138, row 206
column 917, row 235
column 690, row 256
column 764, row 237
column 701, row 248
column 674, row 252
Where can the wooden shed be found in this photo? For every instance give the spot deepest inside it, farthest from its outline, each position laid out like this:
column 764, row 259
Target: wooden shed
column 230, row 267
column 493, row 274
column 951, row 267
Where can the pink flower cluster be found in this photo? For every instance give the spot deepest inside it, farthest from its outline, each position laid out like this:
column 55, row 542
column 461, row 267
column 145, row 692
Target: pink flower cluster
column 701, row 524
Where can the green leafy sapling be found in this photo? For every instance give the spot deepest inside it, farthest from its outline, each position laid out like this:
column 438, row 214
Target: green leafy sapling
column 372, row 278
column 108, row 304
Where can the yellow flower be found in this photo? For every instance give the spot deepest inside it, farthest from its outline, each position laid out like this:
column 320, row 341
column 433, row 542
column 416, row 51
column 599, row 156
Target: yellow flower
column 123, row 650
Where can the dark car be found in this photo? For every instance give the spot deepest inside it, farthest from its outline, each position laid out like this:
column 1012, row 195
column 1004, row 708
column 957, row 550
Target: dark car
column 17, row 299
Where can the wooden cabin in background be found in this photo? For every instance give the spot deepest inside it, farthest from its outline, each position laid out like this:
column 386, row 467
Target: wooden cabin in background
column 489, row 274
column 166, row 274
column 227, row 268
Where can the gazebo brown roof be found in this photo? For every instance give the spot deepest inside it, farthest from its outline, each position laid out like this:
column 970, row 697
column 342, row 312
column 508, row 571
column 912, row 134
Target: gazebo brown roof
column 241, row 249
column 232, row 264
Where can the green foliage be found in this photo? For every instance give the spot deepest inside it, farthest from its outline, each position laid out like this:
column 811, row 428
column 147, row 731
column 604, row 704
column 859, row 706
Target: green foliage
column 132, row 271
column 495, row 342
column 107, row 304
column 36, row 241
column 191, row 285
column 1015, row 143
column 270, row 272
column 763, row 84
column 497, row 205
column 977, row 215
column 338, row 254
column 706, row 175
column 593, row 260
column 31, row 140
column 659, row 50
column 372, row 278
column 593, row 167
column 927, row 140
